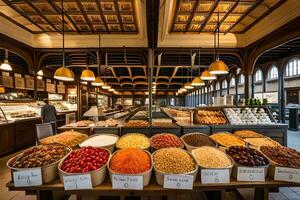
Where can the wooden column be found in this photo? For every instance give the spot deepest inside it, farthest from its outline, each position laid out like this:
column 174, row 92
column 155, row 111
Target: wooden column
column 236, row 90
column 281, row 95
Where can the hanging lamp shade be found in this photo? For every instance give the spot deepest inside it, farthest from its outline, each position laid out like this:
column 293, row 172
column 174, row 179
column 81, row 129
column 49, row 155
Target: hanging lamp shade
column 188, row 86
column 207, row 76
column 98, row 82
column 87, row 75
column 198, row 82
column 183, row 89
column 218, row 67
column 64, row 74
column 39, row 77
column 105, row 86
column 111, row 89
column 6, row 66
column 40, row 73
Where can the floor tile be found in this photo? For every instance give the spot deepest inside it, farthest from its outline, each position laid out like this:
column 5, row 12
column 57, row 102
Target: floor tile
column 291, row 195
column 285, row 189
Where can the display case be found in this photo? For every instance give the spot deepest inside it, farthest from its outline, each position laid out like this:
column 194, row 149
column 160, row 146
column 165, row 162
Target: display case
column 20, row 111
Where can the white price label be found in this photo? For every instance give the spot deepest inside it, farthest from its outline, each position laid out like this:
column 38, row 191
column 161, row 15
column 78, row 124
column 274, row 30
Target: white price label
column 215, row 176
column 30, row 177
column 78, row 182
column 287, row 174
column 182, row 182
column 250, row 174
column 127, row 182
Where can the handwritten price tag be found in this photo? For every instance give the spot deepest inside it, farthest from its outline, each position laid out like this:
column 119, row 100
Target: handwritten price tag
column 183, row 182
column 287, row 174
column 127, row 182
column 30, row 177
column 77, row 182
column 250, row 174
column 215, row 176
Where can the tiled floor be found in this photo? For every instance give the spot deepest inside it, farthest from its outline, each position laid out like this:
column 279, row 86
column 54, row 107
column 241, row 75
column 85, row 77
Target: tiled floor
column 283, row 194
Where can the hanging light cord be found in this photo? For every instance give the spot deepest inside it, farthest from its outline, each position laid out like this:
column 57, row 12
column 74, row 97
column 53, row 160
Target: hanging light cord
column 98, row 70
column 63, row 30
column 218, row 52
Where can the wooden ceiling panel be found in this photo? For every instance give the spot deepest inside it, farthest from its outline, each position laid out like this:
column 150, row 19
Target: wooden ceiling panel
column 187, row 13
column 106, row 16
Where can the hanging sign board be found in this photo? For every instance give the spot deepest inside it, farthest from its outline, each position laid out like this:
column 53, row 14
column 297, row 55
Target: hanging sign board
column 29, row 83
column 61, row 89
column 7, row 81
column 50, row 87
column 19, row 83
column 40, row 84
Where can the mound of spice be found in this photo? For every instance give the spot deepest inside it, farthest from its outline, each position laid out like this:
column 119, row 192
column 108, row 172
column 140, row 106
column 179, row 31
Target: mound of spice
column 165, row 140
column 227, row 139
column 173, row 161
column 281, row 155
column 133, row 140
column 39, row 156
column 85, row 159
column 130, row 161
column 248, row 134
column 257, row 142
column 198, row 140
column 210, row 157
column 247, row 156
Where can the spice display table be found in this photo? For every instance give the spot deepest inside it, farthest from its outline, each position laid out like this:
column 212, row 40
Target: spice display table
column 55, row 188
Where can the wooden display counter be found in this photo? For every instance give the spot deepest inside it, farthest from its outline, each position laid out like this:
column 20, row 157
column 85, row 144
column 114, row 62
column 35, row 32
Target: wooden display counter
column 55, row 188
column 17, row 135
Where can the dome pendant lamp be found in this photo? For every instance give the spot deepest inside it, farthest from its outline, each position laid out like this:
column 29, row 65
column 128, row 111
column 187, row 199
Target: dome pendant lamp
column 98, row 81
column 63, row 73
column 218, row 67
column 5, row 66
column 87, row 75
column 207, row 76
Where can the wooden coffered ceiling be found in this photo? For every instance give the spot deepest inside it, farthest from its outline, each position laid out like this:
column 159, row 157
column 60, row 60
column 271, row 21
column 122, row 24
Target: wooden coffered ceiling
column 235, row 16
column 109, row 16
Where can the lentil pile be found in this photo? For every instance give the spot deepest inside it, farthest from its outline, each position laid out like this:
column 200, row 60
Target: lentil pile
column 130, row 161
column 262, row 142
column 133, row 140
column 281, row 155
column 173, row 161
column 39, row 156
column 165, row 140
column 247, row 156
column 198, row 140
column 210, row 157
column 227, row 139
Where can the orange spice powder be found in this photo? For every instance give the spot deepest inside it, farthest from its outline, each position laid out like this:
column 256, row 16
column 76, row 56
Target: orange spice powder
column 130, row 161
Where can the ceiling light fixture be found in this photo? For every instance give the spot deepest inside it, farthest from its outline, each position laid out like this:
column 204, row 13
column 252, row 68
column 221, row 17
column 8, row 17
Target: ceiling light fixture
column 207, row 76
column 63, row 73
column 105, row 86
column 39, row 77
column 198, row 82
column 218, row 67
column 188, row 86
column 40, row 73
column 5, row 66
column 87, row 75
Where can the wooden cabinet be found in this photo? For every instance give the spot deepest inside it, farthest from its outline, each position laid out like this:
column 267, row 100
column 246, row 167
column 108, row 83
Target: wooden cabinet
column 7, row 139
column 25, row 133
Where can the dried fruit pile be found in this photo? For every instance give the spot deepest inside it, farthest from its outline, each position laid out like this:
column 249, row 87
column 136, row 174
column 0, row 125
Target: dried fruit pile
column 85, row 159
column 165, row 140
column 247, row 156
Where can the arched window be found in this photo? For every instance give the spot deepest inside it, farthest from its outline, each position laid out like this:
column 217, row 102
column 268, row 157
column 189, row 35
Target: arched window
column 242, row 79
column 232, row 82
column 273, row 73
column 258, row 76
column 224, row 84
column 218, row 86
column 293, row 67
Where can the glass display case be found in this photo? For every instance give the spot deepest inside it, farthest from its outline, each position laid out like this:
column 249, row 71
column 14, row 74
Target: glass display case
column 64, row 106
column 20, row 111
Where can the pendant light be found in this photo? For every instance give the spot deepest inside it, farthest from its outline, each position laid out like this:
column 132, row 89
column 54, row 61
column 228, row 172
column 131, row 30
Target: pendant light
column 98, row 81
column 198, row 81
column 105, row 85
column 5, row 66
column 39, row 77
column 188, row 85
column 218, row 67
column 86, row 74
column 40, row 73
column 63, row 73
column 207, row 76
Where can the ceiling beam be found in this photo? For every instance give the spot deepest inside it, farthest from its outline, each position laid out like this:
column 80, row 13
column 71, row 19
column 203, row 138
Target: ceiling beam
column 84, row 15
column 191, row 16
column 208, row 15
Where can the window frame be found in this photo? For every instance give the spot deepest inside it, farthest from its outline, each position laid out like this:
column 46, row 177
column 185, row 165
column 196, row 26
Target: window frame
column 273, row 73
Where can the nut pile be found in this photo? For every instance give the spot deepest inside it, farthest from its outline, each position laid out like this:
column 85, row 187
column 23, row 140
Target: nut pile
column 137, row 123
column 85, row 160
column 227, row 139
column 165, row 140
column 133, row 140
column 130, row 161
column 281, row 155
column 173, row 161
column 39, row 156
column 247, row 134
column 257, row 142
column 247, row 156
column 210, row 117
column 210, row 157
column 198, row 140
